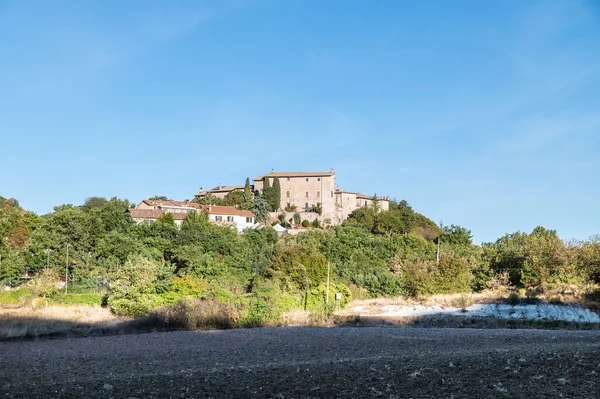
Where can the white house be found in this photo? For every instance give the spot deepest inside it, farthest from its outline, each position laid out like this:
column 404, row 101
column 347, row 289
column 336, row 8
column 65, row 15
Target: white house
column 151, row 210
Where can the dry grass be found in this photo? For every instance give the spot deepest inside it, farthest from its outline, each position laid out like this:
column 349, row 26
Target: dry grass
column 29, row 322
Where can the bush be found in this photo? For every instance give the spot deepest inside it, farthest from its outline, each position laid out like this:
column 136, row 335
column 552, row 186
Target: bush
column 138, row 307
column 193, row 314
column 296, row 218
column 513, row 299
column 316, row 223
column 305, row 223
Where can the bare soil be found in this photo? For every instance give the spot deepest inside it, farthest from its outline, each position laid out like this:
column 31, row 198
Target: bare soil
column 351, row 362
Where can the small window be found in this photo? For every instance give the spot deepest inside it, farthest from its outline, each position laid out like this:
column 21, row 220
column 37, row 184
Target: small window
column 248, row 220
column 306, row 205
column 218, row 218
column 306, row 194
column 318, row 179
column 318, row 194
column 365, row 203
column 230, row 218
column 307, row 179
column 288, row 179
column 332, row 194
column 287, row 194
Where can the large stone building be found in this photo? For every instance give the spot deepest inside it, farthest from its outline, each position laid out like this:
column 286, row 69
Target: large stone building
column 304, row 190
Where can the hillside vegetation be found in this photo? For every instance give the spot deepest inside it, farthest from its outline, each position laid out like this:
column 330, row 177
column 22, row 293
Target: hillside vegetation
column 256, row 277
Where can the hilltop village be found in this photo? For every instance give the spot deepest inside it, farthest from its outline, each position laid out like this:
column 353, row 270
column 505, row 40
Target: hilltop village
column 295, row 198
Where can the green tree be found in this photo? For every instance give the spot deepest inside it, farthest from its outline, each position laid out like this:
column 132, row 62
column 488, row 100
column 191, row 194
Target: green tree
column 260, row 208
column 166, row 218
column 94, row 203
column 267, row 193
column 247, row 192
column 236, row 199
column 275, row 199
column 159, row 198
column 457, row 235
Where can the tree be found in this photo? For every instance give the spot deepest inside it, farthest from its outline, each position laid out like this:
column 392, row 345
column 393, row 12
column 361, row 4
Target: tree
column 166, row 218
column 247, row 191
column 235, row 198
column 457, row 235
column 159, row 198
column 296, row 218
column 276, row 195
column 260, row 208
column 267, row 193
column 94, row 203
column 375, row 203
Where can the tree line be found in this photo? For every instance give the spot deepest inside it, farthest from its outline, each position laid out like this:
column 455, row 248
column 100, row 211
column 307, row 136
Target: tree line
column 374, row 253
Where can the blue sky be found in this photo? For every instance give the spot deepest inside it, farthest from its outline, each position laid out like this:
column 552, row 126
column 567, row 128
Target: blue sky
column 479, row 113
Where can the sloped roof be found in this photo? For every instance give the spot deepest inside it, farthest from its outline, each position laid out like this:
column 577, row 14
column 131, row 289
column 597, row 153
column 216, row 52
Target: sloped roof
column 154, row 214
column 295, row 174
column 226, row 210
column 172, row 203
column 211, row 209
column 225, row 188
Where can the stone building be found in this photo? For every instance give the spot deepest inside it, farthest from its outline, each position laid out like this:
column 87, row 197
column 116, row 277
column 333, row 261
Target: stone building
column 304, row 190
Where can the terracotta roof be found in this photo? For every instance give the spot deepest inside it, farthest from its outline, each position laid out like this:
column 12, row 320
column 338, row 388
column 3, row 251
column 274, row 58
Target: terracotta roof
column 212, row 210
column 295, row 174
column 172, row 203
column 225, row 188
column 154, row 214
column 226, row 210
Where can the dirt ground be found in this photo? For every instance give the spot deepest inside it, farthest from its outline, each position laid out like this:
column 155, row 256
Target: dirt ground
column 350, row 362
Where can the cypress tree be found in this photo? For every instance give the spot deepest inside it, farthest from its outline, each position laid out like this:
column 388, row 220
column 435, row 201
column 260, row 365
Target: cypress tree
column 276, row 194
column 247, row 191
column 267, row 192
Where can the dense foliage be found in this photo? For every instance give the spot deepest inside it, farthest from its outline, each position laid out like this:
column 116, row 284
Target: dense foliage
column 137, row 267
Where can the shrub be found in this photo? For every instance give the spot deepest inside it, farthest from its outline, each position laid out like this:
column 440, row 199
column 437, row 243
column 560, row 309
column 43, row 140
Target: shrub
column 192, row 314
column 513, row 299
column 316, row 223
column 305, row 223
column 296, row 218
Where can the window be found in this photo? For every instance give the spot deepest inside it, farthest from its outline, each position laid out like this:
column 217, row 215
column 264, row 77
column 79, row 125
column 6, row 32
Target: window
column 365, row 203
column 306, row 205
column 332, row 194
column 218, row 218
column 318, row 179
column 307, row 179
column 306, row 196
column 287, row 194
column 248, row 220
column 230, row 218
column 288, row 179
column 318, row 194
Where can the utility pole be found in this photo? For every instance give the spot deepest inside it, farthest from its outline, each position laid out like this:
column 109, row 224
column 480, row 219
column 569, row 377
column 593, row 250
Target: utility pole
column 327, row 296
column 48, row 259
column 67, row 270
column 437, row 257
